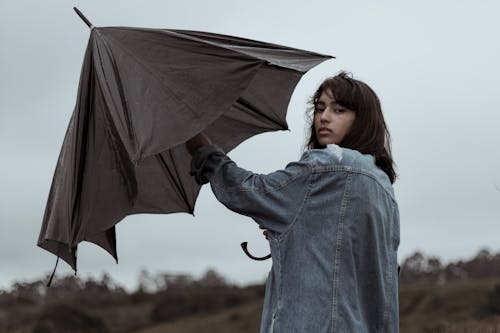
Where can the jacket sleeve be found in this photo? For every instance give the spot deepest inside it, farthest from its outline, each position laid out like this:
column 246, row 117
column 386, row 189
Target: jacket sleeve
column 273, row 200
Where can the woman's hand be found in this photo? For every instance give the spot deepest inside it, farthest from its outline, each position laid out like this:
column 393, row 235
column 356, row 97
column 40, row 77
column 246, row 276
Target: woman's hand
column 198, row 141
column 265, row 232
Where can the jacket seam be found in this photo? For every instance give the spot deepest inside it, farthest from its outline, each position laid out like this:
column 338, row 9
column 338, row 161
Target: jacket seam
column 338, row 250
column 349, row 169
column 275, row 314
column 396, row 240
column 297, row 216
column 388, row 280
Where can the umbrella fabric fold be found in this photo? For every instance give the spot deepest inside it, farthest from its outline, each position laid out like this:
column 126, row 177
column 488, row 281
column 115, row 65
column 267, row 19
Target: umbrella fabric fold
column 142, row 94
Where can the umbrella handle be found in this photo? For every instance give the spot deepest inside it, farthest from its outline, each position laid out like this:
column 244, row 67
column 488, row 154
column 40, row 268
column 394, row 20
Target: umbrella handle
column 244, row 247
column 87, row 22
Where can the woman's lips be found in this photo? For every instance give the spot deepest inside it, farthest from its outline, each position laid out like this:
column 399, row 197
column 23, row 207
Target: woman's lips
column 324, row 131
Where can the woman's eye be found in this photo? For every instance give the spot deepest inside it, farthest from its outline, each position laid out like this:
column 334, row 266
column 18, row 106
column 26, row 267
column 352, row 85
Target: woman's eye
column 319, row 110
column 339, row 110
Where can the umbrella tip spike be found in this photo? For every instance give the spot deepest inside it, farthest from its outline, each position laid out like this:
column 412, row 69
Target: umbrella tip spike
column 79, row 13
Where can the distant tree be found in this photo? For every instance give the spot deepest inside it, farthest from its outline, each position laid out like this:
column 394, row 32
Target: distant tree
column 212, row 279
column 185, row 296
column 434, row 266
column 110, row 284
column 147, row 282
column 414, row 263
column 177, row 281
column 417, row 267
column 455, row 271
column 482, row 265
column 30, row 292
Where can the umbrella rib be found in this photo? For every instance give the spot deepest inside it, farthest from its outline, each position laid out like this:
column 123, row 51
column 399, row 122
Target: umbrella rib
column 179, row 188
column 242, row 41
column 240, row 49
column 123, row 100
column 81, row 149
column 167, row 88
column 121, row 154
column 249, row 107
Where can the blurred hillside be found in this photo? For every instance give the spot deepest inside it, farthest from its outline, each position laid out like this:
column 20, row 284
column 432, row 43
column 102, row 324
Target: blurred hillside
column 461, row 296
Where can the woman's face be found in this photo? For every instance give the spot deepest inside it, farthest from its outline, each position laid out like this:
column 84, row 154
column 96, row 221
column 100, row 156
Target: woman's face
column 332, row 121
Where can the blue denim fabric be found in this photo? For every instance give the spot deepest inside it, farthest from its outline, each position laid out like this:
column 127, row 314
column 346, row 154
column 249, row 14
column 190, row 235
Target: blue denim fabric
column 333, row 226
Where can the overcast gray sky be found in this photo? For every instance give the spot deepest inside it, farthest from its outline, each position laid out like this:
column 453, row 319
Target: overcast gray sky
column 434, row 65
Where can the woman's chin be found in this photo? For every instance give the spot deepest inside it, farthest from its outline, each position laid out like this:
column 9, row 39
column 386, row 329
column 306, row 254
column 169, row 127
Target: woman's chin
column 326, row 142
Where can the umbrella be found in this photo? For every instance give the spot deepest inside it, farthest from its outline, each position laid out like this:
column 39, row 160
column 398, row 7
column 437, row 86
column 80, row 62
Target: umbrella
column 142, row 94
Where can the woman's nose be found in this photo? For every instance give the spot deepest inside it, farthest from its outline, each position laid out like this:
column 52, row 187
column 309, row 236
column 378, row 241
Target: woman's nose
column 325, row 117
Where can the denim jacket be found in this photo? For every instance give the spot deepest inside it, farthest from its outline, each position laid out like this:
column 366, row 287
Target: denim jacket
column 333, row 226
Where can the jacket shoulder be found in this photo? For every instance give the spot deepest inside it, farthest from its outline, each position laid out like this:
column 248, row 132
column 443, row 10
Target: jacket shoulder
column 334, row 157
column 326, row 157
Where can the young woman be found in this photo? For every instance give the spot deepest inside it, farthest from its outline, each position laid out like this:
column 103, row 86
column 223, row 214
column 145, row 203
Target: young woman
column 331, row 218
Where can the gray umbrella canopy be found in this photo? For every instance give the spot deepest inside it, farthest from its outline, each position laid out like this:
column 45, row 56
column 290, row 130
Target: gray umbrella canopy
column 142, row 94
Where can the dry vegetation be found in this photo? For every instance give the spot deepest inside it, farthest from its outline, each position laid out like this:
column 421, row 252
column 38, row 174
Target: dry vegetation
column 459, row 306
column 459, row 297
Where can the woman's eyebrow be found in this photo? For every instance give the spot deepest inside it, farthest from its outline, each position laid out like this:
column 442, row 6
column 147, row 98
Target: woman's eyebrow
column 330, row 103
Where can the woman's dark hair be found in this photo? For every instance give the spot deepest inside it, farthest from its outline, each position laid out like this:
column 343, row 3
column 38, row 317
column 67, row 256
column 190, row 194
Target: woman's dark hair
column 369, row 133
